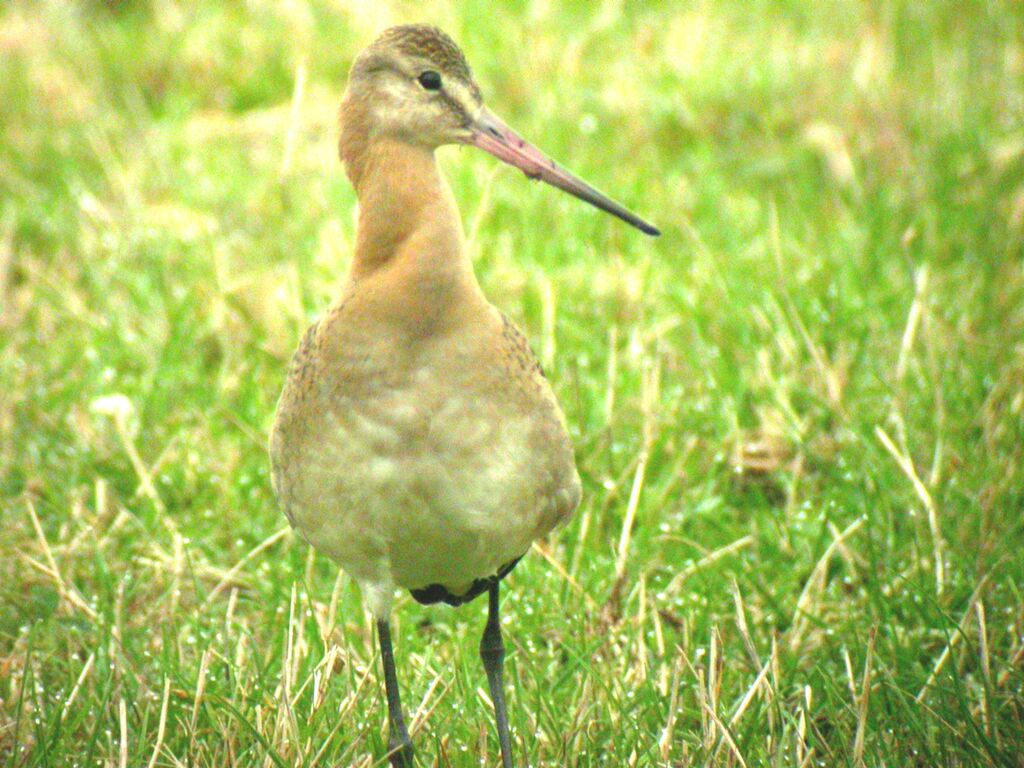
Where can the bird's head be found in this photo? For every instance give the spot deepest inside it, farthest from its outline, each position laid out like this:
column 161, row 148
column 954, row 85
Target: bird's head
column 413, row 84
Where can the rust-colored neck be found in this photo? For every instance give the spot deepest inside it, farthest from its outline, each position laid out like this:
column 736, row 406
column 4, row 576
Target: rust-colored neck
column 409, row 239
column 406, row 209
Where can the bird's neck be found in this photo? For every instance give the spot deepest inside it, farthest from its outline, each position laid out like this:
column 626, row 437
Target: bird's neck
column 408, row 219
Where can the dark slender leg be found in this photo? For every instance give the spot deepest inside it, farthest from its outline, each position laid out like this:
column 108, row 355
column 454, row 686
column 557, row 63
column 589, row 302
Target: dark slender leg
column 492, row 651
column 399, row 743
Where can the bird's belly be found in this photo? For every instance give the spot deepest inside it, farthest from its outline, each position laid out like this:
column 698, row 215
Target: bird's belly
column 413, row 487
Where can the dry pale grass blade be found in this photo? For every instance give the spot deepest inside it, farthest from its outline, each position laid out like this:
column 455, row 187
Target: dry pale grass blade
column 332, row 608
column 321, row 678
column 741, row 623
column 740, row 709
column 815, row 582
column 67, row 592
column 853, row 560
column 807, row 758
column 161, row 560
column 726, row 735
column 545, row 552
column 165, row 456
column 831, row 143
column 649, row 396
column 122, row 719
column 636, row 672
column 906, row 465
column 1014, row 662
column 622, row 551
column 161, row 729
column 294, row 651
column 913, row 322
column 803, row 754
column 953, row 641
column 986, row 666
column 573, row 730
column 229, row 577
column 708, row 691
column 715, row 665
column 862, row 704
column 933, row 355
column 748, row 697
column 120, row 409
column 850, row 682
column 659, row 643
column 177, row 563
column 704, row 562
column 229, row 613
column 422, row 713
column 665, row 741
column 774, row 678
column 707, row 725
column 86, row 669
column 613, row 487
column 197, row 698
column 345, row 710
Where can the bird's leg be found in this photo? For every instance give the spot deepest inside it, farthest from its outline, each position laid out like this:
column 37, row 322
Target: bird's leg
column 492, row 652
column 399, row 743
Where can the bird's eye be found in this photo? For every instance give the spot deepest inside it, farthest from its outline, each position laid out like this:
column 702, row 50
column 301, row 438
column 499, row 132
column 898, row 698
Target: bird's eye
column 430, row 80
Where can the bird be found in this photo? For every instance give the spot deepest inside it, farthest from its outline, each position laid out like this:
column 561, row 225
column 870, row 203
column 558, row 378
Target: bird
column 416, row 442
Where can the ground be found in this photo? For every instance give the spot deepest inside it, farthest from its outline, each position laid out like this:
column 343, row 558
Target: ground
column 799, row 414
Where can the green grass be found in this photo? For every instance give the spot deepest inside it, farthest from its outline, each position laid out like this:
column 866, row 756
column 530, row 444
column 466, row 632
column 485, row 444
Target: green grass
column 808, row 395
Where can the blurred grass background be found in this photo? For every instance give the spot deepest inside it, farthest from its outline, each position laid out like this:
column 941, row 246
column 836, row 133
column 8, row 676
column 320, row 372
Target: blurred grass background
column 799, row 414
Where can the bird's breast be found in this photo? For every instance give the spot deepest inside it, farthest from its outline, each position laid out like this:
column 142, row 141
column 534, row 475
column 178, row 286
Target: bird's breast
column 436, row 466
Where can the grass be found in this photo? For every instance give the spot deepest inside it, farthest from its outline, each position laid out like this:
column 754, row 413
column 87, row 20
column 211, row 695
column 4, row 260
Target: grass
column 799, row 414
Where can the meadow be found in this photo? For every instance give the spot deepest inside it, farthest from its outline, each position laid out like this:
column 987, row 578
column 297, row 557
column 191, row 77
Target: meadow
column 799, row 413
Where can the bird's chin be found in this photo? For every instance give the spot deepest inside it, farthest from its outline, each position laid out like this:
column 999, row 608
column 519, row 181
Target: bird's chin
column 462, row 136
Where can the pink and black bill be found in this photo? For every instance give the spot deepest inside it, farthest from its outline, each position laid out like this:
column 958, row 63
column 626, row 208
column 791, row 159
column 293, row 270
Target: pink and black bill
column 492, row 135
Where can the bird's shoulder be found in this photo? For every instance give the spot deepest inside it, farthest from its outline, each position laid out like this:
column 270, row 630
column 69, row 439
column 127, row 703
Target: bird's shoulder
column 515, row 351
column 302, row 369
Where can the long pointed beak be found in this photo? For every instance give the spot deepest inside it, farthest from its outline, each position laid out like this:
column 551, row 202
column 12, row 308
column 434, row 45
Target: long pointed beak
column 492, row 135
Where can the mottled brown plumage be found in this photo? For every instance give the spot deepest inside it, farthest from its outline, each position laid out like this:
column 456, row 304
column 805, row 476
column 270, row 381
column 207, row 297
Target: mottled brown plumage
column 427, row 43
